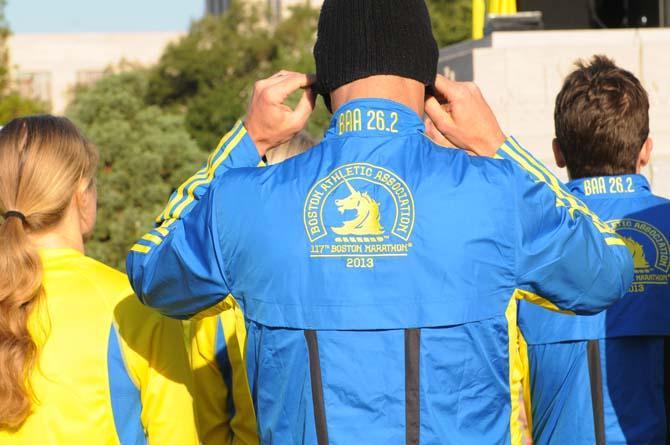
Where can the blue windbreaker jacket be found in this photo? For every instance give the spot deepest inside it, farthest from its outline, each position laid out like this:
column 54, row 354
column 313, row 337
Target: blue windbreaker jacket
column 379, row 275
column 608, row 367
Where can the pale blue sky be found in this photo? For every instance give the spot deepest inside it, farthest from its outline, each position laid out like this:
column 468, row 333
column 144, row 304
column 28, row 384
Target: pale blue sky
column 102, row 15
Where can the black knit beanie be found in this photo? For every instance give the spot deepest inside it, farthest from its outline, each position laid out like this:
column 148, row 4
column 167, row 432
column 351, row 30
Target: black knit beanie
column 363, row 38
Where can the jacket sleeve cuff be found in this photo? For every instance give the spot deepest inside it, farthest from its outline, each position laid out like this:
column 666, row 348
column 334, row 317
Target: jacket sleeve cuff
column 241, row 150
column 508, row 150
column 513, row 151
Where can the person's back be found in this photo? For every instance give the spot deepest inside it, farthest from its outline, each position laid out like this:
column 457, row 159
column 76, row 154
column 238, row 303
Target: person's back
column 610, row 366
column 381, row 302
column 94, row 338
column 378, row 272
column 104, row 369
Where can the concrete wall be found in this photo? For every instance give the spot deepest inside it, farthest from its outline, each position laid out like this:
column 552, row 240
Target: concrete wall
column 52, row 64
column 520, row 74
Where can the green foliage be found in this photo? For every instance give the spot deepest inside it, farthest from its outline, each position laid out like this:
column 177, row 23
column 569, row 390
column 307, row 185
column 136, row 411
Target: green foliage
column 145, row 152
column 4, row 54
column 210, row 72
column 452, row 20
column 146, row 124
column 12, row 105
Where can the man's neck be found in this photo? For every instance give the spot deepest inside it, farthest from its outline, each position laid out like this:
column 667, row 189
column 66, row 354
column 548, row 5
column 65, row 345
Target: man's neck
column 398, row 89
column 638, row 171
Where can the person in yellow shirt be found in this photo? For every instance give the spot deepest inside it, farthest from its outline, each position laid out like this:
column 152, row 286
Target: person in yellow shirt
column 82, row 361
column 224, row 407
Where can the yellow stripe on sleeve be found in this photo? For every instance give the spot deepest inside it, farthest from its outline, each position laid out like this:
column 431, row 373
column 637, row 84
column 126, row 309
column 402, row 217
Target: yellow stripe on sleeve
column 162, row 231
column 203, row 172
column 168, row 222
column 170, row 215
column 556, row 186
column 153, row 239
column 538, row 176
column 140, row 248
column 552, row 180
column 538, row 170
column 180, row 191
column 210, row 176
column 526, row 166
column 229, row 148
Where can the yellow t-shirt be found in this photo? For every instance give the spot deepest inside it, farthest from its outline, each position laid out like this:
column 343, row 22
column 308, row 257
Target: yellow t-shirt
column 110, row 370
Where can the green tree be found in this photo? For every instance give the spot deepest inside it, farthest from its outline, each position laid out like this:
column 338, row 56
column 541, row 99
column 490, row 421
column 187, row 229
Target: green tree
column 146, row 123
column 210, row 72
column 4, row 52
column 452, row 20
column 11, row 103
column 295, row 38
column 145, row 152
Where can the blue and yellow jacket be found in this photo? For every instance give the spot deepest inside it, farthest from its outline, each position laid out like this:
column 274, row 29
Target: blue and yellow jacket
column 110, row 371
column 379, row 275
column 608, row 367
column 224, row 407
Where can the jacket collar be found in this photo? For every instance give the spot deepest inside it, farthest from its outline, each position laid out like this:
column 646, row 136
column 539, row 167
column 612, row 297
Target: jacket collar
column 611, row 186
column 374, row 118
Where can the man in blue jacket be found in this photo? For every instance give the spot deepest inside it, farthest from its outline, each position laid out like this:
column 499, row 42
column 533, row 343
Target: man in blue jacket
column 600, row 379
column 379, row 272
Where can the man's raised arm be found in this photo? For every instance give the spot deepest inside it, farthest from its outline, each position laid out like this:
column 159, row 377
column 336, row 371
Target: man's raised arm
column 567, row 258
column 176, row 267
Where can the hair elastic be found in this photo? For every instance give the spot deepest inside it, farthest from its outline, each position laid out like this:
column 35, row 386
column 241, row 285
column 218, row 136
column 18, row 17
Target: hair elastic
column 15, row 214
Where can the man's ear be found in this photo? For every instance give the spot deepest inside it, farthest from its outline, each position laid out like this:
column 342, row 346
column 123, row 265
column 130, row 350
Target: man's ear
column 645, row 154
column 558, row 154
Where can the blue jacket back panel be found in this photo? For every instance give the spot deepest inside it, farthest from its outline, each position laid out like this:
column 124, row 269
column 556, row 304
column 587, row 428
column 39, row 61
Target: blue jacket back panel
column 379, row 274
column 623, row 344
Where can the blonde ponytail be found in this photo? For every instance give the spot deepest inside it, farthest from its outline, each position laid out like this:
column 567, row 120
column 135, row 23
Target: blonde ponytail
column 42, row 160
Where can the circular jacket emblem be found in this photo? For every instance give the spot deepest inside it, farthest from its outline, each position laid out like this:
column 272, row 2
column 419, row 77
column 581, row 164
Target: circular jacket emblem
column 649, row 248
column 359, row 210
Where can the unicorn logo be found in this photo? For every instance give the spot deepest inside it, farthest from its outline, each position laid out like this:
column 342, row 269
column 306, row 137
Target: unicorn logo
column 366, row 221
column 636, row 250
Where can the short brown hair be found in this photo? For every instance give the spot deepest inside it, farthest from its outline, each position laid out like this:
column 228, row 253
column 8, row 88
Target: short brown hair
column 601, row 119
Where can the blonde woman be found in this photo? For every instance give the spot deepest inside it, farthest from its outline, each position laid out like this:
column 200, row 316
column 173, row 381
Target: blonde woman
column 81, row 360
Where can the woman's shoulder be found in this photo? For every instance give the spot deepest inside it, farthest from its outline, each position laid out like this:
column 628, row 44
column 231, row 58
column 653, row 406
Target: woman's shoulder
column 86, row 277
column 109, row 282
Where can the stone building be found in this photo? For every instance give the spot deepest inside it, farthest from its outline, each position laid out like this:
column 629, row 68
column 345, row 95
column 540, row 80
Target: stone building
column 48, row 66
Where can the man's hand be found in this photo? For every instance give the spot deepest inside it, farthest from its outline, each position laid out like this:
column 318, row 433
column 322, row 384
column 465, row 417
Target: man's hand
column 459, row 116
column 271, row 123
